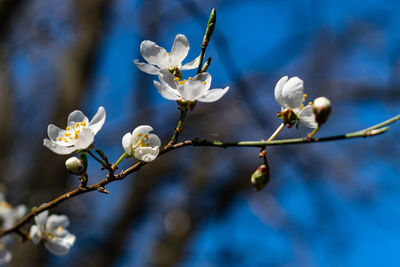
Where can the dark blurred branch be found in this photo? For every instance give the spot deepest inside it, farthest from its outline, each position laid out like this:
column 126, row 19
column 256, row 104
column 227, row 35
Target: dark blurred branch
column 76, row 72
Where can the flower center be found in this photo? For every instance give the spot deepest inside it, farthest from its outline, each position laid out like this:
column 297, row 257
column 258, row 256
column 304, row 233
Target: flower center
column 72, row 132
column 304, row 99
column 141, row 142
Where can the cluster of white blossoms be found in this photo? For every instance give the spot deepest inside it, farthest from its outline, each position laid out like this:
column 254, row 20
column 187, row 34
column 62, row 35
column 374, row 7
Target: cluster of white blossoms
column 8, row 217
column 78, row 136
column 168, row 66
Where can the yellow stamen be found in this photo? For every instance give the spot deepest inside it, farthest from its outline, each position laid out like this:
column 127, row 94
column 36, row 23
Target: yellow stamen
column 67, row 134
column 310, row 103
column 176, row 79
column 83, row 123
column 139, row 135
column 5, row 205
column 204, row 82
column 305, row 95
column 145, row 136
column 181, row 82
column 59, row 138
column 76, row 134
column 190, row 78
column 60, row 228
column 67, row 128
column 302, row 106
column 169, row 54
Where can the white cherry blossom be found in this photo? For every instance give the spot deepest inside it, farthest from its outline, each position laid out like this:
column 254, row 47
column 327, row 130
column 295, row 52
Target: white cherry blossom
column 8, row 217
column 289, row 93
column 193, row 89
column 158, row 58
column 79, row 133
column 142, row 144
column 51, row 230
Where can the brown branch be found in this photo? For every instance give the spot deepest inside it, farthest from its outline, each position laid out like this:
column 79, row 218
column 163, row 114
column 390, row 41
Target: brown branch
column 371, row 131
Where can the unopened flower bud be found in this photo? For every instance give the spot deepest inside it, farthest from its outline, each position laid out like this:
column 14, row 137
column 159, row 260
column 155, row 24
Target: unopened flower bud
column 260, row 177
column 74, row 165
column 322, row 109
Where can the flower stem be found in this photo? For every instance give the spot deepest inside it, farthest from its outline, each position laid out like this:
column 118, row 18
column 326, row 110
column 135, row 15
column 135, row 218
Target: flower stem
column 97, row 159
column 114, row 166
column 310, row 135
column 178, row 128
column 263, row 151
column 277, row 131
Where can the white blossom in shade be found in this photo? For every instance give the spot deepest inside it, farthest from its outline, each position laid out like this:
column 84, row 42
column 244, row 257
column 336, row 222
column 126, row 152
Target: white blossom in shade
column 142, row 144
column 289, row 93
column 51, row 230
column 158, row 58
column 193, row 89
column 5, row 255
column 79, row 133
column 8, row 217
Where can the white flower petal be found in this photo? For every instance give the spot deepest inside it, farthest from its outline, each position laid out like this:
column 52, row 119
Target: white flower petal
column 41, row 218
column 278, row 91
column 213, row 95
column 142, row 129
column 179, row 50
column 146, row 154
column 61, row 150
column 36, row 234
column 127, row 143
column 19, row 212
column 85, row 139
column 193, row 89
column 146, row 67
column 203, row 77
column 154, row 54
column 167, row 78
column 5, row 256
column 292, row 92
column 76, row 116
column 153, row 140
column 98, row 120
column 60, row 246
column 191, row 65
column 54, row 132
column 307, row 117
column 54, row 221
column 166, row 91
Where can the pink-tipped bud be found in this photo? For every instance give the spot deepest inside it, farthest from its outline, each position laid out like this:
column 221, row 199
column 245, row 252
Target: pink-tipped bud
column 322, row 109
column 260, row 177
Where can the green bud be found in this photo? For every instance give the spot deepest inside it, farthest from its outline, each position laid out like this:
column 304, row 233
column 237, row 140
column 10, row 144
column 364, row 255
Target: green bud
column 322, row 109
column 210, row 27
column 260, row 177
column 74, row 166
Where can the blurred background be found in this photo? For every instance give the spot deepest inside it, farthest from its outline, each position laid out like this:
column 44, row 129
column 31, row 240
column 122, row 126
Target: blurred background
column 328, row 204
